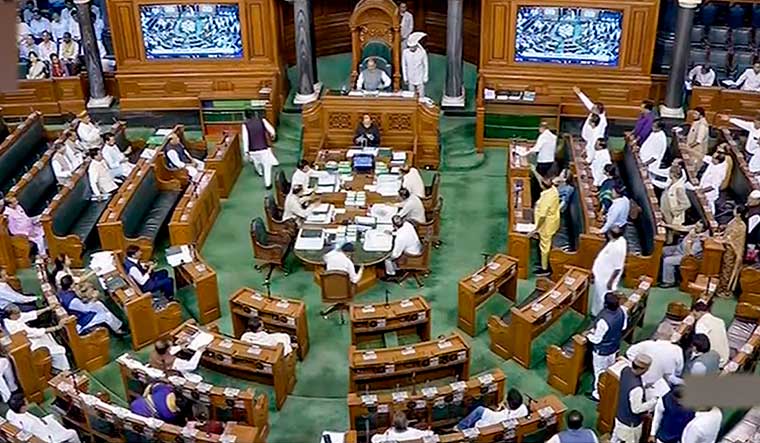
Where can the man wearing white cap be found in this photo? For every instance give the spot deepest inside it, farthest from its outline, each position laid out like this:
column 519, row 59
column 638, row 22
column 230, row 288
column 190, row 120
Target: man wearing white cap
column 631, row 401
column 88, row 132
column 414, row 64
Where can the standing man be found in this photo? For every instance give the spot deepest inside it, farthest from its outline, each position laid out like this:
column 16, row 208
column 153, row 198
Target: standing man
column 414, row 64
column 698, row 135
column 407, row 22
column 547, row 214
column 713, row 176
column 575, row 432
column 714, row 328
column 632, row 404
column 608, row 268
column 670, row 417
column 617, row 215
column 546, row 146
column 593, row 109
column 704, row 427
column 644, row 124
column 752, row 145
column 257, row 134
column 606, row 336
column 703, row 360
column 652, row 151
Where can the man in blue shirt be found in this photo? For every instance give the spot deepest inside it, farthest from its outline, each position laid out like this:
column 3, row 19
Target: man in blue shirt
column 617, row 215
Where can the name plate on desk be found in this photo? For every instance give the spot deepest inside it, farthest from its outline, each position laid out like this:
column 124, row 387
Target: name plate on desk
column 471, row 433
column 369, row 355
column 634, row 298
column 458, row 386
column 254, row 350
column 747, row 348
column 485, row 379
column 399, row 397
column 409, row 350
column 256, row 296
column 731, row 366
column 555, row 294
column 390, row 368
column 430, row 392
column 369, row 399
column 226, row 344
column 476, row 278
column 494, row 266
column 228, row 438
column 569, row 281
column 231, row 392
column 444, row 344
column 406, row 303
column 368, row 309
column 283, row 304
column 431, row 439
column 536, row 307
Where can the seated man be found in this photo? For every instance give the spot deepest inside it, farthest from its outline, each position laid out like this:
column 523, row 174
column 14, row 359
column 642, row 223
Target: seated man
column 164, row 357
column 88, row 132
column 118, row 164
column 481, row 416
column 89, row 313
column 703, row 360
column 372, row 79
column 21, row 224
column 367, row 133
column 715, row 330
column 296, row 205
column 144, row 275
column 17, row 321
column 400, row 431
column 64, row 163
column 177, row 157
column 749, row 80
column 411, row 206
column 255, row 334
column 47, row 428
column 101, row 181
column 617, row 215
column 700, row 75
column 8, row 295
column 158, row 401
column 412, row 180
column 690, row 244
column 337, row 260
column 302, row 175
column 406, row 242
column 68, row 52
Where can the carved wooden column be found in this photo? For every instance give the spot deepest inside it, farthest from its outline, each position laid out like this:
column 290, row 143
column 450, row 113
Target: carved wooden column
column 306, row 63
column 673, row 107
column 453, row 94
column 98, row 97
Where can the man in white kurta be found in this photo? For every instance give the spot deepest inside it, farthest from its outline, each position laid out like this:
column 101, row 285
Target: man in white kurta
column 302, row 175
column 47, row 428
column 652, row 151
column 411, row 206
column 118, row 164
column 752, row 145
column 337, row 260
column 88, row 132
column 544, row 148
column 667, row 362
column 8, row 382
column 400, row 431
column 407, row 22
column 700, row 75
column 101, row 181
column 600, row 158
column 715, row 330
column 63, row 168
column 748, row 81
column 255, row 334
column 704, row 427
column 38, row 337
column 412, row 181
column 608, row 268
column 406, row 242
column 294, row 207
column 591, row 133
column 593, row 109
column 414, row 64
column 712, row 178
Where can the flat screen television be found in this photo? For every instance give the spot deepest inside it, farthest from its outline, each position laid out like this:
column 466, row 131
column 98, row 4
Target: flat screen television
column 576, row 36
column 195, row 31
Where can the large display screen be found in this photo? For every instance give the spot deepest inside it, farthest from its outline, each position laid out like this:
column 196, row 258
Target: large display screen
column 579, row 36
column 191, row 31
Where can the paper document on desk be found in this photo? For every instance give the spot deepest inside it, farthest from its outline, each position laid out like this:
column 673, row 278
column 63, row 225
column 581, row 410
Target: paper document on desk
column 388, row 189
column 319, row 219
column 335, row 437
column 525, row 227
column 102, row 263
column 310, row 240
column 178, row 255
column 383, row 213
column 148, row 153
column 163, row 132
column 377, row 241
column 201, row 340
column 322, row 208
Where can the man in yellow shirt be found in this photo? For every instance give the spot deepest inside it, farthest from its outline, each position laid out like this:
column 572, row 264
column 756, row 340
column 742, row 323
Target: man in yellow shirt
column 547, row 213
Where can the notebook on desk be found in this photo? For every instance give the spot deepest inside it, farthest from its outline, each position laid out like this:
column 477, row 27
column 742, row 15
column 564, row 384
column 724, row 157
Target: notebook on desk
column 310, row 240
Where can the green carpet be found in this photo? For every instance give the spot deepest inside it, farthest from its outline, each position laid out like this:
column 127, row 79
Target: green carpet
column 473, row 221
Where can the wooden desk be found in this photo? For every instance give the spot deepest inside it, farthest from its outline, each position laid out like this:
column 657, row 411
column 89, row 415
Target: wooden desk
column 499, row 275
column 146, row 323
column 546, row 416
column 405, row 124
column 734, row 102
column 98, row 419
column 196, row 211
column 219, row 403
column 203, row 278
column 227, row 160
column 513, row 337
column 520, row 204
column 11, row 434
column 277, row 315
column 565, row 367
column 263, row 364
column 32, row 367
column 91, row 351
column 436, row 408
column 409, row 316
column 408, row 365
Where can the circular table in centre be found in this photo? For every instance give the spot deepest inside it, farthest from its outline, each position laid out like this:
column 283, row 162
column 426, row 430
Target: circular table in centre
column 314, row 260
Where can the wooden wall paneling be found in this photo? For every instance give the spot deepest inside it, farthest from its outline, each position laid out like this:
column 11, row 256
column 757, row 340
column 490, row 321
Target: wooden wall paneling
column 31, row 95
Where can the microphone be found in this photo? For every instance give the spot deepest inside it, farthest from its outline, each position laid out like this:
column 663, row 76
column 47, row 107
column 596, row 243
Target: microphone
column 486, row 256
column 387, row 295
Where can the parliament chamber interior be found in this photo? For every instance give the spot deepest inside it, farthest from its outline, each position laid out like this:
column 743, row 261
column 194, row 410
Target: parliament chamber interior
column 457, row 221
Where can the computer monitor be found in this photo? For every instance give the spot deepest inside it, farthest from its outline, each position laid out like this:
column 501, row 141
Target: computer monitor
column 363, row 162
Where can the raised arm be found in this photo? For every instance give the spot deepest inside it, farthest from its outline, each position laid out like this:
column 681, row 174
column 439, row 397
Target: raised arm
column 584, row 98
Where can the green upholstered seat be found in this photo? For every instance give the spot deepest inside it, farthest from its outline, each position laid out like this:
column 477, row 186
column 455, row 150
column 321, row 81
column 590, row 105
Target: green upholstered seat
column 21, row 155
column 38, row 192
column 158, row 213
column 148, row 209
column 77, row 214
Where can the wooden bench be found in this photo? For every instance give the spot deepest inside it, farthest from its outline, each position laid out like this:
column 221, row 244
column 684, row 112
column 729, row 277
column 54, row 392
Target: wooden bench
column 218, row 403
column 436, row 407
column 277, row 315
column 32, row 367
column 90, row 350
column 148, row 320
column 22, row 148
column 226, row 159
column 139, row 210
column 512, row 335
column 499, row 275
column 195, row 213
column 97, row 419
column 371, row 322
column 567, row 363
column 408, row 365
column 227, row 355
column 202, row 277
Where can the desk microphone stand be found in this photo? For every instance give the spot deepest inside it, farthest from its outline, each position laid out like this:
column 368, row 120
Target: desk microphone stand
column 268, row 285
column 387, row 295
column 486, row 256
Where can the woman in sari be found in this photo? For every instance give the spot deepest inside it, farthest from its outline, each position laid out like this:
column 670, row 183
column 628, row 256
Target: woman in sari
column 734, row 237
column 37, row 68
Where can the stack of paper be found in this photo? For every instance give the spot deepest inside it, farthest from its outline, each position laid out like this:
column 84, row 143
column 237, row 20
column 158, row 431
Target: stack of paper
column 379, row 241
column 383, row 213
column 310, row 240
column 178, row 255
column 102, row 263
column 200, row 341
